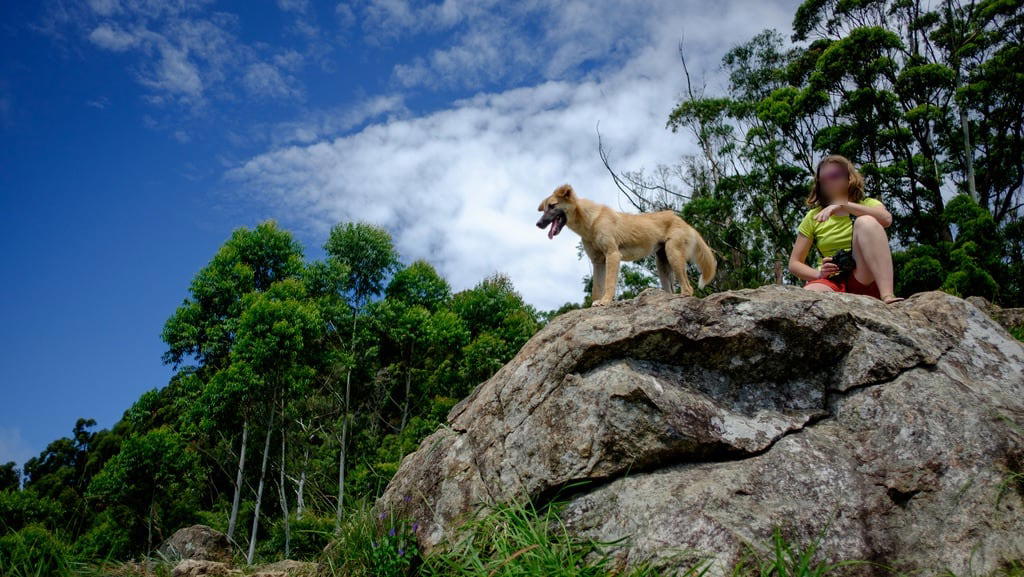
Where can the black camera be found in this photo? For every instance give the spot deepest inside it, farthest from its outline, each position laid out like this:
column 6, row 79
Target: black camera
column 843, row 258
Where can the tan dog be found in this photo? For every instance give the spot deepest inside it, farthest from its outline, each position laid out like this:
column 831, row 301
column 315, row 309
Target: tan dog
column 610, row 237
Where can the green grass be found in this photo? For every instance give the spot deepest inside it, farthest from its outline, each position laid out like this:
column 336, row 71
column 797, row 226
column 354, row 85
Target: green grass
column 34, row 551
column 786, row 559
column 515, row 539
column 518, row 540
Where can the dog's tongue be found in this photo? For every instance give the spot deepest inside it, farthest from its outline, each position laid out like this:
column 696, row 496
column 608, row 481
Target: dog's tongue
column 551, row 231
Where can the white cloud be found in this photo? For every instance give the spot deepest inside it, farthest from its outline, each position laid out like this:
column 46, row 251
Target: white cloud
column 112, row 38
column 265, row 80
column 293, row 5
column 105, row 7
column 320, row 124
column 460, row 187
column 174, row 74
column 186, row 54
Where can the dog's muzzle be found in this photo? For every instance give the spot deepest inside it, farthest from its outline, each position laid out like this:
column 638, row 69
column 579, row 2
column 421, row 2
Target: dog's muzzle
column 556, row 219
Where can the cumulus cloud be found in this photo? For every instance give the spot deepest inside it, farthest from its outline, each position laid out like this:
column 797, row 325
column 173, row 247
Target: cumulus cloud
column 460, row 186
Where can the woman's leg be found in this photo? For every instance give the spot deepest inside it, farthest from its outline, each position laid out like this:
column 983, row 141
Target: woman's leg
column 873, row 256
column 819, row 287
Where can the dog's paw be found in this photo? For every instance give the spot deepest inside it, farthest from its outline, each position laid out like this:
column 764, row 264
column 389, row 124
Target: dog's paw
column 599, row 303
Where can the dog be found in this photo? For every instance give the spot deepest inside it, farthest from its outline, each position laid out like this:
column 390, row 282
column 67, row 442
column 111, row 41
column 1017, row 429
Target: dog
column 610, row 237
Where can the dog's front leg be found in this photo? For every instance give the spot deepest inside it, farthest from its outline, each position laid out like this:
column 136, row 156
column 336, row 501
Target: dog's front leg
column 597, row 282
column 611, row 275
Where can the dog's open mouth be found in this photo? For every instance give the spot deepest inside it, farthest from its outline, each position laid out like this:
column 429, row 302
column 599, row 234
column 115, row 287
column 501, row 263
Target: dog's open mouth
column 556, row 225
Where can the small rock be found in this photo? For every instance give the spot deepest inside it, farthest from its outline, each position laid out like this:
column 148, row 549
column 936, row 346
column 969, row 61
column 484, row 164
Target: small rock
column 197, row 542
column 287, row 568
column 201, row 568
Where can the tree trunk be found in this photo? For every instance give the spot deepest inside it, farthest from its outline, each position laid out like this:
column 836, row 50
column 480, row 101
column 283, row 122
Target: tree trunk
column 238, row 482
column 259, row 491
column 149, row 528
column 968, row 153
column 344, row 431
column 283, row 491
column 300, row 503
column 408, row 388
column 341, row 463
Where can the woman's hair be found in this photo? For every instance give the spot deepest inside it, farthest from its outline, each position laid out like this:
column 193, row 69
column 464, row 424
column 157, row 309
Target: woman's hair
column 856, row 194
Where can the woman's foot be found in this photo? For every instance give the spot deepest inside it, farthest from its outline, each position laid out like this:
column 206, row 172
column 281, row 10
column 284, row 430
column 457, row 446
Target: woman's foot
column 891, row 298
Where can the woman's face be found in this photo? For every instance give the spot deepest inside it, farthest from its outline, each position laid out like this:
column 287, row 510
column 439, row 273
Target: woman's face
column 834, row 180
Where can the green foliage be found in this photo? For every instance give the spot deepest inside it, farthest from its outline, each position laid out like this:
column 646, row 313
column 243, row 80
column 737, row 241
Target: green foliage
column 788, row 559
column 33, row 551
column 251, row 260
column 309, row 535
column 968, row 266
column 110, row 536
column 21, row 508
column 10, row 476
column 152, row 485
column 372, row 545
column 517, row 539
column 367, row 253
column 419, row 285
column 372, row 474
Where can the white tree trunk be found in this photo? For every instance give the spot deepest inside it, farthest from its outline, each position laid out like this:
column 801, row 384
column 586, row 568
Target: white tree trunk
column 300, row 503
column 238, row 482
column 968, row 153
column 408, row 389
column 259, row 492
column 283, row 492
column 341, row 460
column 344, row 433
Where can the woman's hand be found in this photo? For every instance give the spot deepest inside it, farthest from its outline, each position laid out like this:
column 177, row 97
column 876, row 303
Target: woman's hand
column 830, row 211
column 828, row 268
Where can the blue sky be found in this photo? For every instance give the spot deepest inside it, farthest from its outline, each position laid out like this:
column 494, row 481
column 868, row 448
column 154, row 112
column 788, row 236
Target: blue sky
column 137, row 134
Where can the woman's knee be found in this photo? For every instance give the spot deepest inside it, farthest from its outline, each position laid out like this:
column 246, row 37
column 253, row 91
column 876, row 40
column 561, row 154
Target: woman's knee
column 866, row 222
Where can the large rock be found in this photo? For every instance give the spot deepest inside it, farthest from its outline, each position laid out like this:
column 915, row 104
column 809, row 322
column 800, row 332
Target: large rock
column 703, row 424
column 197, row 542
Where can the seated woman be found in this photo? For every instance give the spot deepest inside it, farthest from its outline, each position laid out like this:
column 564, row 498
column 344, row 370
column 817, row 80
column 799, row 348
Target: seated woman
column 837, row 193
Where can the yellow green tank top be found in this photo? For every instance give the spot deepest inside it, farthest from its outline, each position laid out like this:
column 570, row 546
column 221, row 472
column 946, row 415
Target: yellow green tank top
column 833, row 234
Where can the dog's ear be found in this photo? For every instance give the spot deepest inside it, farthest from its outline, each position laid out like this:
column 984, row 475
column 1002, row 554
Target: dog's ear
column 541, row 207
column 564, row 191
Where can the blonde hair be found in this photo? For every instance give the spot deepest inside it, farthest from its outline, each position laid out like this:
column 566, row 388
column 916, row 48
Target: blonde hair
column 856, row 190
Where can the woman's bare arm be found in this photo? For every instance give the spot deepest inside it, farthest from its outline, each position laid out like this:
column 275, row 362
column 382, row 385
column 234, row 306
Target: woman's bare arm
column 802, row 270
column 879, row 212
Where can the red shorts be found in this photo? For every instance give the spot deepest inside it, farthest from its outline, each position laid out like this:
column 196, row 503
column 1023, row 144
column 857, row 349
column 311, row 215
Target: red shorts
column 849, row 285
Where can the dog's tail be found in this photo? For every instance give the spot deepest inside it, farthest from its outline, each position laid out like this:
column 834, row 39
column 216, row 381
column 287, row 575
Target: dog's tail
column 705, row 260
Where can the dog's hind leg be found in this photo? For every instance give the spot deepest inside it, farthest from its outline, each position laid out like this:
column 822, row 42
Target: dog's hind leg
column 664, row 268
column 677, row 251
